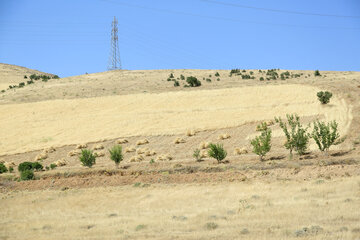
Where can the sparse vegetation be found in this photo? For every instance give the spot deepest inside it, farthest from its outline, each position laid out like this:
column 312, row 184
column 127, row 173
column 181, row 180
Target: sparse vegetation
column 53, row 166
column 182, row 77
column 171, row 75
column 262, row 144
column 325, row 135
column 193, row 81
column 198, row 157
column 116, row 154
column 33, row 166
column 217, row 74
column 87, row 158
column 176, row 83
column 317, row 73
column 297, row 137
column 217, row 151
column 208, row 80
column 324, row 97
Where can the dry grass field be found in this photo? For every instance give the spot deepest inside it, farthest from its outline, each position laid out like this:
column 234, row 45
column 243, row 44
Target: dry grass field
column 315, row 196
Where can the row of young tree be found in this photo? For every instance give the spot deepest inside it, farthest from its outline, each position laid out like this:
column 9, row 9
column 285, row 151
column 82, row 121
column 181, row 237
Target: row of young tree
column 297, row 136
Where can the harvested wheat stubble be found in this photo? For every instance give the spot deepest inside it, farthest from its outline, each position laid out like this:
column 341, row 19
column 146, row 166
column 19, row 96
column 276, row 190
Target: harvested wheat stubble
column 60, row 163
column 142, row 142
column 75, row 152
column 164, row 157
column 150, row 153
column 179, row 140
column 141, row 150
column 98, row 147
column 137, row 158
column 99, row 154
column 81, row 146
column 240, row 151
column 204, row 154
column 178, row 111
column 204, row 145
column 41, row 156
column 121, row 141
column 49, row 150
column 190, row 133
column 224, row 136
column 130, row 149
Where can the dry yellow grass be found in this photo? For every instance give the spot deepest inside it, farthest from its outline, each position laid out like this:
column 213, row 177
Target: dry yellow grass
column 275, row 210
column 61, row 122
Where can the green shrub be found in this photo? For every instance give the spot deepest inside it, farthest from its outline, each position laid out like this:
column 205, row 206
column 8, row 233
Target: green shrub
column 171, row 75
column 245, row 76
column 3, row 91
column 325, row 135
column 217, row 151
column 261, row 79
column 3, row 168
column 251, row 72
column 208, row 80
column 235, row 71
column 30, row 82
column 169, row 79
column 53, row 166
column 317, row 73
column 217, row 74
column 87, row 158
column 55, row 77
column 182, row 77
column 116, row 154
column 297, row 137
column 22, row 84
column 262, row 144
column 27, row 175
column 11, row 169
column 25, row 166
column 193, row 81
column 25, row 76
column 324, row 97
column 30, row 166
column 210, row 75
column 176, row 83
column 198, row 157
column 218, row 79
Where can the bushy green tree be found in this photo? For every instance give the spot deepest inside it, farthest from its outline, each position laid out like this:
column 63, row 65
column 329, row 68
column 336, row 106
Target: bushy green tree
column 30, row 166
column 262, row 144
column 217, row 74
column 116, row 154
column 217, row 151
column 87, row 158
column 297, row 137
column 317, row 73
column 324, row 97
column 193, row 81
column 325, row 135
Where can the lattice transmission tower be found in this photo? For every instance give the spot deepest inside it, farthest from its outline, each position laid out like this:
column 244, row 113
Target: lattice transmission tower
column 114, row 58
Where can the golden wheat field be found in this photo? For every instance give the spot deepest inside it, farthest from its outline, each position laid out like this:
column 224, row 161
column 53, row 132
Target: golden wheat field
column 159, row 191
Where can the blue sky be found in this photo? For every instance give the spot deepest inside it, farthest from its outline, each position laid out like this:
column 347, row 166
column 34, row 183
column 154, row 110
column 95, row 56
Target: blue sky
column 71, row 37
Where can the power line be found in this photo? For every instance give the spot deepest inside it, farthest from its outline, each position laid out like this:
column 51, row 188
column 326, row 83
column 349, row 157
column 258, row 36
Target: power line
column 278, row 10
column 223, row 18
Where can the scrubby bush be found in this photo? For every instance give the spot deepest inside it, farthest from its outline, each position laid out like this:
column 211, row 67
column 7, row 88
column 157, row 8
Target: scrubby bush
column 217, row 74
column 324, row 97
column 3, row 168
column 218, row 79
column 297, row 137
column 11, row 169
column 262, row 144
column 27, row 175
column 208, row 80
column 30, row 166
column 182, row 77
column 193, row 81
column 272, row 74
column 116, row 154
column 169, row 79
column 3, row 91
column 317, row 73
column 30, row 82
column 25, row 76
column 235, row 71
column 251, row 72
column 171, row 75
column 325, row 135
column 55, row 77
column 176, row 83
column 261, row 79
column 87, row 158
column 22, row 84
column 53, row 166
column 217, row 151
